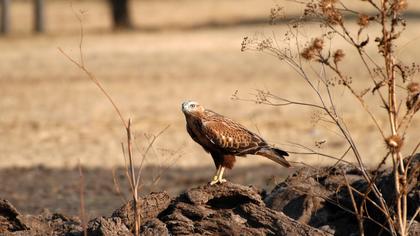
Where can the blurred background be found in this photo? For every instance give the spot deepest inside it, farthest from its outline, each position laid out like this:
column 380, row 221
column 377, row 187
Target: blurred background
column 151, row 55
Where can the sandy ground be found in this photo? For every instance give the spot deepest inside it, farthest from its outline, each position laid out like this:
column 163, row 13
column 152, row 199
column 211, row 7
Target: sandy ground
column 52, row 115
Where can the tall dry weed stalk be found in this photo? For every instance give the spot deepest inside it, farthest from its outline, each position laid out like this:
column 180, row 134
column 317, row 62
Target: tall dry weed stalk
column 386, row 75
column 133, row 171
column 82, row 199
column 133, row 176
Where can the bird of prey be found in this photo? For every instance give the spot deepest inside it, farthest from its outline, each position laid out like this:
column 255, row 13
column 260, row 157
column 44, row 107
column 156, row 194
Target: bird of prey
column 224, row 139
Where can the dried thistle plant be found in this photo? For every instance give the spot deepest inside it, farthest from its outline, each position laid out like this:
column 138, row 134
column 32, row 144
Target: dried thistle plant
column 386, row 75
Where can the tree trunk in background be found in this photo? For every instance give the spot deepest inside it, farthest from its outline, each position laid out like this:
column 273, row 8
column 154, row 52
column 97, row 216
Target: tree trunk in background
column 120, row 14
column 39, row 16
column 5, row 16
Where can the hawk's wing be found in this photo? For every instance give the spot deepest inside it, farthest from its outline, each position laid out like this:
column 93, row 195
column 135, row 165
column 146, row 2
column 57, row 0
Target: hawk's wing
column 230, row 136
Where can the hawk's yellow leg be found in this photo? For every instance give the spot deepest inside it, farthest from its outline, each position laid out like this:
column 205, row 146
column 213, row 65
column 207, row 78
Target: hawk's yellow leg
column 218, row 177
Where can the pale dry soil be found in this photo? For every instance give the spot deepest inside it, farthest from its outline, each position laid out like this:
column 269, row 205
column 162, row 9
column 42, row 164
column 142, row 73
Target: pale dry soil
column 52, row 115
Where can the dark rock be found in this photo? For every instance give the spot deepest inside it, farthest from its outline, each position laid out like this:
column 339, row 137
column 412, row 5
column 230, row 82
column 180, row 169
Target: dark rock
column 414, row 187
column 414, row 228
column 274, row 223
column 310, row 202
column 225, row 209
column 107, row 227
column 53, row 224
column 150, row 207
column 320, row 197
column 10, row 218
column 232, row 194
column 298, row 197
column 13, row 223
column 228, row 209
column 154, row 227
column 122, row 220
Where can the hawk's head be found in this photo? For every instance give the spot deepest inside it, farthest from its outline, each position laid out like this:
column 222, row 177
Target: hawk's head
column 191, row 107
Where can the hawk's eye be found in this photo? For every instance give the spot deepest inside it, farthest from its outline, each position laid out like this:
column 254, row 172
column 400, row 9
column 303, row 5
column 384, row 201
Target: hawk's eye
column 192, row 105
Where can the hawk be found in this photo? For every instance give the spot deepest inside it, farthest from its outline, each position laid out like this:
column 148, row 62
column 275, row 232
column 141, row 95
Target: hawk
column 224, row 139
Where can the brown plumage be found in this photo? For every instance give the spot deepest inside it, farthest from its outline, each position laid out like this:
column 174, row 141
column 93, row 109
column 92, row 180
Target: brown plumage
column 224, row 139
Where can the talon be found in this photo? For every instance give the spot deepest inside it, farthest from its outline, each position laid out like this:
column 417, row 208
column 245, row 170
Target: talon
column 218, row 178
column 217, row 181
column 214, row 182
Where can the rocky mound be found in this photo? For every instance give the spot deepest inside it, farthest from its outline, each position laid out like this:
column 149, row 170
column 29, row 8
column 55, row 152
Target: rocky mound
column 320, row 198
column 227, row 209
column 310, row 202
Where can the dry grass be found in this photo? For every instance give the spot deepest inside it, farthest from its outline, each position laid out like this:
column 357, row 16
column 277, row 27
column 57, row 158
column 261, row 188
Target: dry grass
column 51, row 115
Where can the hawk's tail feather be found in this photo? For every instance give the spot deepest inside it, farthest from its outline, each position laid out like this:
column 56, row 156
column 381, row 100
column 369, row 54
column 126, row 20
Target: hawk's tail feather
column 275, row 155
column 280, row 152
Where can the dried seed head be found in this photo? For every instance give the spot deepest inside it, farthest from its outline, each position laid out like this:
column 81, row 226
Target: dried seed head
column 338, row 56
column 318, row 44
column 412, row 102
column 327, row 4
column 308, row 53
column 244, row 44
column 276, row 14
column 335, row 17
column 320, row 143
column 394, row 142
column 332, row 14
column 413, row 87
column 417, row 107
column 313, row 49
column 400, row 5
column 363, row 20
column 413, row 97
